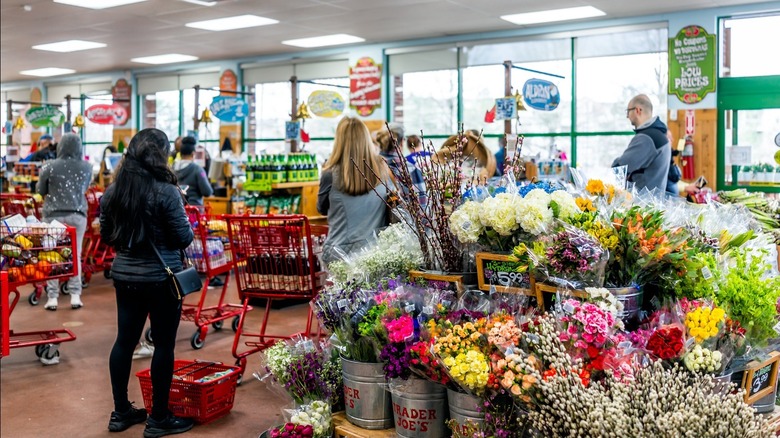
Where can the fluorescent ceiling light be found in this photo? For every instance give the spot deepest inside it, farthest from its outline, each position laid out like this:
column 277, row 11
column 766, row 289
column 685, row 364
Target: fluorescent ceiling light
column 327, row 40
column 201, row 2
column 230, row 23
column 97, row 4
column 168, row 58
column 553, row 15
column 48, row 71
column 69, row 46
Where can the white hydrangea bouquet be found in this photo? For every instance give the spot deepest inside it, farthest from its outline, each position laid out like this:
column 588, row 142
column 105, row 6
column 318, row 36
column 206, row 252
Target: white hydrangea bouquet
column 500, row 222
column 315, row 414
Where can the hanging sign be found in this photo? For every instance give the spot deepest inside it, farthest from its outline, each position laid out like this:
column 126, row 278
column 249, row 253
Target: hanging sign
column 292, row 130
column 122, row 93
column 327, row 104
column 541, row 95
column 506, row 108
column 365, row 86
column 45, row 116
column 107, row 114
column 229, row 109
column 228, row 83
column 692, row 64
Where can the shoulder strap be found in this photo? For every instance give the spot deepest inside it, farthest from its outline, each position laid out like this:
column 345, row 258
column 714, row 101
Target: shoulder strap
column 157, row 252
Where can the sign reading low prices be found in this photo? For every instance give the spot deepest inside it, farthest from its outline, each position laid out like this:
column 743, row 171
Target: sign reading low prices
column 541, row 95
column 229, row 109
column 107, row 114
column 365, row 86
column 45, row 116
column 692, row 64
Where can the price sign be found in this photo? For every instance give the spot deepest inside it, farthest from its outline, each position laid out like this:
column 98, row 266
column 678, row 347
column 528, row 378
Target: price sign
column 506, row 108
column 760, row 377
column 500, row 271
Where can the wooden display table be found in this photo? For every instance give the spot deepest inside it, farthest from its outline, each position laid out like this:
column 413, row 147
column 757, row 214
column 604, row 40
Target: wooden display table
column 345, row 429
column 773, row 421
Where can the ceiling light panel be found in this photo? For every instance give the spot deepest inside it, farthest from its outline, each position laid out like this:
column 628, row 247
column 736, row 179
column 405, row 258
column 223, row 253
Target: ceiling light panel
column 97, row 4
column 69, row 46
column 230, row 23
column 553, row 15
column 327, row 40
column 169, row 58
column 48, row 71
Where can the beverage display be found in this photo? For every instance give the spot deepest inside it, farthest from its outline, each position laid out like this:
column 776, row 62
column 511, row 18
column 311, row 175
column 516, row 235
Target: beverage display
column 262, row 171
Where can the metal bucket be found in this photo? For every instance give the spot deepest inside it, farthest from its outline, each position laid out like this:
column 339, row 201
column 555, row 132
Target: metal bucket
column 631, row 298
column 420, row 410
column 465, row 408
column 367, row 402
column 722, row 384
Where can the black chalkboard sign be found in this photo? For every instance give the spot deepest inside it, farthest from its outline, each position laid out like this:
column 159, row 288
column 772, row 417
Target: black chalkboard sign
column 500, row 270
column 760, row 378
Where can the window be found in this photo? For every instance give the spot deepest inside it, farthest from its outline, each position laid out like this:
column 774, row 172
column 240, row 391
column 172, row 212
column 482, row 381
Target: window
column 161, row 111
column 744, row 49
column 429, row 102
column 208, row 134
column 272, row 105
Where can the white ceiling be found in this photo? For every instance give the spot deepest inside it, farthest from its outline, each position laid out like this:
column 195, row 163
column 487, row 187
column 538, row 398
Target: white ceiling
column 157, row 26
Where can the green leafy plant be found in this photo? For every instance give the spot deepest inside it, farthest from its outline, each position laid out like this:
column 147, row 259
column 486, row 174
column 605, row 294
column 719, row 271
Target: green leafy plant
column 750, row 296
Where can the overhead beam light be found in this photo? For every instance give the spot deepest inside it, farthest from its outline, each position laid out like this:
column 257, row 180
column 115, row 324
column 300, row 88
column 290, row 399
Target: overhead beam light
column 97, row 4
column 48, row 71
column 69, row 46
column 326, row 40
column 554, row 15
column 168, row 58
column 201, row 2
column 230, row 23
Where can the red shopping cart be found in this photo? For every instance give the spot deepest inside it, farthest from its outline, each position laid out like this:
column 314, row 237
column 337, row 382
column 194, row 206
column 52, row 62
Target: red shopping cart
column 209, row 253
column 34, row 254
column 96, row 255
column 21, row 203
column 274, row 257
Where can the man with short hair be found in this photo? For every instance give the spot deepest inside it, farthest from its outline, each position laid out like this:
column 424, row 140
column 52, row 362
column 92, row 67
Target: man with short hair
column 649, row 153
column 47, row 150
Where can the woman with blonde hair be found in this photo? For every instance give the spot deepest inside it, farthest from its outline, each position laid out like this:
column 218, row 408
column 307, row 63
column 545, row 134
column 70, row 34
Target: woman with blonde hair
column 352, row 189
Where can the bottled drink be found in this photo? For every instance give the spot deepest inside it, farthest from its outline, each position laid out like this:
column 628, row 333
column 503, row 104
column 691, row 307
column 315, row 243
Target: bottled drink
column 291, row 171
column 249, row 169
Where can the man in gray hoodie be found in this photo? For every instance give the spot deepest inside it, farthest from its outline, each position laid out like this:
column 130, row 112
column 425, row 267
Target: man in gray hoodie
column 63, row 182
column 192, row 178
column 649, row 153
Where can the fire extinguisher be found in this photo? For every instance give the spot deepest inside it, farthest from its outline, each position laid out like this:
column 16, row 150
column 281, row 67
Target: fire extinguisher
column 687, row 159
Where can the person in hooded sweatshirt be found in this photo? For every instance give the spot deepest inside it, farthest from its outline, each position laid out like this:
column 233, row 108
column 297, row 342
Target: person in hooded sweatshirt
column 192, row 178
column 64, row 181
column 649, row 153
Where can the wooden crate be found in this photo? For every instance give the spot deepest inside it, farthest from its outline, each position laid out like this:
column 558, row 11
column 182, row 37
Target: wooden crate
column 543, row 290
column 345, row 429
column 456, row 280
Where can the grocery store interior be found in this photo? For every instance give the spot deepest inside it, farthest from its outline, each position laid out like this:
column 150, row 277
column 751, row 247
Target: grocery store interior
column 107, row 69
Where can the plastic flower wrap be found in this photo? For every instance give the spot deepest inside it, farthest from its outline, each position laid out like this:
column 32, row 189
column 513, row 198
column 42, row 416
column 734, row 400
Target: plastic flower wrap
column 502, row 331
column 574, row 259
column 702, row 360
column 586, row 329
column 563, row 205
column 465, row 223
column 312, row 420
column 703, row 321
column 516, row 372
column 600, row 229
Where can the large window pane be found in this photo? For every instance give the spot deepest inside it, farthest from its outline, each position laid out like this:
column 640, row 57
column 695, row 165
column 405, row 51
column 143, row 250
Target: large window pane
column 272, row 108
column 606, row 84
column 205, row 131
column 595, row 154
column 161, row 111
column 429, row 102
column 747, row 46
column 320, row 126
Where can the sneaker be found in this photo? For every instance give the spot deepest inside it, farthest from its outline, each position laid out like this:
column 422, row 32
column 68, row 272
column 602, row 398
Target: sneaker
column 122, row 421
column 216, row 282
column 169, row 426
column 51, row 304
column 145, row 350
column 75, row 302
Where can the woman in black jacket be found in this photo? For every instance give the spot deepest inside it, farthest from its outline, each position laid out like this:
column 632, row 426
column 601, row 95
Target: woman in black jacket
column 142, row 210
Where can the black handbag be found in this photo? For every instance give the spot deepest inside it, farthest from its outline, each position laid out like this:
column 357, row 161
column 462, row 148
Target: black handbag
column 185, row 281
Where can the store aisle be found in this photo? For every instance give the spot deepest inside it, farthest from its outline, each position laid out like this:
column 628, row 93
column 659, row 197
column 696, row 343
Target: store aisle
column 73, row 398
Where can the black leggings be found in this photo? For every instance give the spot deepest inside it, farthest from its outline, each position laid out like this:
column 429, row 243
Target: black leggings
column 135, row 301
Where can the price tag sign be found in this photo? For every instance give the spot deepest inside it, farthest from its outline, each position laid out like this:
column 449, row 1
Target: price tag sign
column 498, row 273
column 760, row 377
column 740, row 155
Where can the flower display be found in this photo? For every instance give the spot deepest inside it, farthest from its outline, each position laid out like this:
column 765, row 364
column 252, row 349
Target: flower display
column 666, row 342
column 502, row 331
column 469, row 369
column 586, row 328
column 573, row 255
column 564, row 203
column 498, row 213
column 459, row 338
column 292, row 430
column 400, row 329
column 305, row 372
column 585, row 204
column 703, row 322
column 465, row 223
column 316, row 415
column 702, row 360
column 516, row 373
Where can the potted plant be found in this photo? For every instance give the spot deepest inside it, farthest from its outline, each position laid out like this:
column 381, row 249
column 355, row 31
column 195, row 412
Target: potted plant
column 744, row 174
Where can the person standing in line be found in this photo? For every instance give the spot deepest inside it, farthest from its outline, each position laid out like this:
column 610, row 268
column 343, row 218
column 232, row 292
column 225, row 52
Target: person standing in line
column 649, row 153
column 47, row 149
column 64, row 181
column 192, row 178
column 143, row 212
column 396, row 162
column 354, row 204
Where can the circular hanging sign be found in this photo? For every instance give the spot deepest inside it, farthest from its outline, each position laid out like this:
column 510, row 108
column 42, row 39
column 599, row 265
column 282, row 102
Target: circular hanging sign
column 107, row 114
column 327, row 104
column 45, row 116
column 541, row 95
column 777, row 157
column 777, row 140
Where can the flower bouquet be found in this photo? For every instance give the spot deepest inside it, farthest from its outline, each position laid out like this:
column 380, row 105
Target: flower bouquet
column 586, row 331
column 574, row 259
column 312, row 420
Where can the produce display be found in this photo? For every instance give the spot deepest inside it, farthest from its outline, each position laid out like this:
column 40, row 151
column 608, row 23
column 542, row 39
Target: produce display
column 33, row 252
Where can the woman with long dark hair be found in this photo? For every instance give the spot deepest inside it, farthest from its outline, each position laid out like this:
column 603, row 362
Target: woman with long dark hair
column 141, row 211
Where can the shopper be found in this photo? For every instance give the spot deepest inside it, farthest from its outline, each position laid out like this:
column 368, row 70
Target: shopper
column 192, row 178
column 64, row 181
column 396, row 162
column 352, row 196
column 416, row 149
column 141, row 211
column 649, row 153
column 47, row 149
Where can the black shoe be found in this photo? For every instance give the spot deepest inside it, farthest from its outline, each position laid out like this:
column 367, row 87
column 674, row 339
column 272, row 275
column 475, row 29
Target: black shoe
column 122, row 421
column 216, row 282
column 169, row 426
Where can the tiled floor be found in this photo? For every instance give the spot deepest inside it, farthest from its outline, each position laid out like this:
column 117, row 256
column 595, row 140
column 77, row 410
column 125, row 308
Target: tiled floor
column 73, row 398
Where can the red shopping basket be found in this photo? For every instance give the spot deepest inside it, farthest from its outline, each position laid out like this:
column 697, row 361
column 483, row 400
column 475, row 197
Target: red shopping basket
column 203, row 391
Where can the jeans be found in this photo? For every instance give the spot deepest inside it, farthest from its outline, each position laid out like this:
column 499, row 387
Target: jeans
column 135, row 301
column 79, row 222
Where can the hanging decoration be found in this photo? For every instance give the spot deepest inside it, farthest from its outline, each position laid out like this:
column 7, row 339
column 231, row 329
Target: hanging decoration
column 78, row 122
column 303, row 112
column 506, row 108
column 19, row 124
column 205, row 117
column 107, row 114
column 490, row 116
column 519, row 100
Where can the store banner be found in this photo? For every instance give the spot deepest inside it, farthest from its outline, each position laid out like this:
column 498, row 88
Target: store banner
column 365, row 86
column 229, row 109
column 107, row 114
column 541, row 95
column 692, row 69
column 228, row 83
column 122, row 92
column 45, row 116
column 292, row 130
column 506, row 108
column 326, row 103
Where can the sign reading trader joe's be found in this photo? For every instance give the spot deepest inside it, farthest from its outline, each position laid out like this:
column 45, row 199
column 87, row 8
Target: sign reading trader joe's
column 692, row 64
column 365, row 86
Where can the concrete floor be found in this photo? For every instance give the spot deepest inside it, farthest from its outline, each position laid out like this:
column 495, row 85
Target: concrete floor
column 73, row 398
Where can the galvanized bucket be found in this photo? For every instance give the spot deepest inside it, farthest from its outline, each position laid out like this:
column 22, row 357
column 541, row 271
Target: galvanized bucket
column 367, row 402
column 464, row 409
column 631, row 298
column 420, row 409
